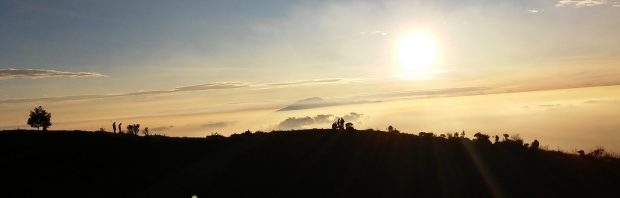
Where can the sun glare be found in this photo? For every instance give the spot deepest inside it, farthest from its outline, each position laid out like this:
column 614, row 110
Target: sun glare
column 417, row 54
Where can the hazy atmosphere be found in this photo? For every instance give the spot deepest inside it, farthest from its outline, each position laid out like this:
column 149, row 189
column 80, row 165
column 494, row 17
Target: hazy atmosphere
column 543, row 69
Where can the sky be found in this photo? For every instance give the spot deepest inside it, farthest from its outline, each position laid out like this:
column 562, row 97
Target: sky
column 545, row 69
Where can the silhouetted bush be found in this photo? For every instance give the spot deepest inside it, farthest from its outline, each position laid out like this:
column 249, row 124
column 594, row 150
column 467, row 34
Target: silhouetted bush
column 133, row 129
column 215, row 136
column 482, row 138
column 535, row 144
column 391, row 129
column 40, row 118
column 146, row 131
column 598, row 152
column 349, row 127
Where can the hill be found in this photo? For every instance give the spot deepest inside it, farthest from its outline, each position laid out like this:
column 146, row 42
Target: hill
column 304, row 163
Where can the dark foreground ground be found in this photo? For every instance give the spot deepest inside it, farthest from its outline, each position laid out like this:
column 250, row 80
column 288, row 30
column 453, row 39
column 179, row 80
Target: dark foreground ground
column 313, row 163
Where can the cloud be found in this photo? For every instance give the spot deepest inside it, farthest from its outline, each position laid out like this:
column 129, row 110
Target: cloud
column 42, row 73
column 455, row 91
column 212, row 125
column 209, row 86
column 201, row 87
column 317, row 102
column 304, row 83
column 581, row 3
column 162, row 128
column 534, row 11
column 373, row 33
column 296, row 122
column 321, row 119
column 301, row 122
column 352, row 117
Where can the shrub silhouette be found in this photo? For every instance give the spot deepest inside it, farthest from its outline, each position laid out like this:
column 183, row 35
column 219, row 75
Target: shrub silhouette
column 133, row 129
column 391, row 129
column 535, row 144
column 146, row 131
column 598, row 152
column 40, row 118
column 482, row 138
column 349, row 127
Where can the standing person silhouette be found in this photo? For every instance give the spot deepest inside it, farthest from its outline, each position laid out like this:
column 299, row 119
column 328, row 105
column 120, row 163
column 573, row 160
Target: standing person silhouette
column 114, row 127
column 120, row 129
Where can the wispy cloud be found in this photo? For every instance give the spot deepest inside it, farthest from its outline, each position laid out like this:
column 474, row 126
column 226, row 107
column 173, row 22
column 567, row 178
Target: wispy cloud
column 321, row 119
column 162, row 128
column 221, row 124
column 446, row 92
column 43, row 73
column 298, row 83
column 317, row 102
column 201, row 87
column 582, row 3
column 534, row 11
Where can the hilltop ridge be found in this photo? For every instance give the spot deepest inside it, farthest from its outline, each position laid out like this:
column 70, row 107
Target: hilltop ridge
column 301, row 163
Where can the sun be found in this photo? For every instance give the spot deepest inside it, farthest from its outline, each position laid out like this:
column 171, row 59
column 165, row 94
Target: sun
column 416, row 53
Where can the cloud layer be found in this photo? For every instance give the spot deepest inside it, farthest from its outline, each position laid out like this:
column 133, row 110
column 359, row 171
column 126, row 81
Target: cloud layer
column 201, row 87
column 321, row 119
column 42, row 73
column 212, row 125
column 585, row 3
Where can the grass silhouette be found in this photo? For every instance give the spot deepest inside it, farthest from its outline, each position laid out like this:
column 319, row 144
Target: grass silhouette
column 299, row 163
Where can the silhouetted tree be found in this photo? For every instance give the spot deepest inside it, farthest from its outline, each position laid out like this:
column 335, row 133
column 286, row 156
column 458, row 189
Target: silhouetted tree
column 39, row 118
column 516, row 139
column 133, row 129
column 463, row 134
column 535, row 144
column 335, row 125
column 349, row 126
column 391, row 129
column 341, row 124
column 496, row 139
column 506, row 137
column 581, row 153
column 597, row 152
column 146, row 131
column 481, row 137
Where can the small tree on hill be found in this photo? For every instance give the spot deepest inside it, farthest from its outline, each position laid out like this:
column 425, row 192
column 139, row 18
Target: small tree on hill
column 40, row 118
column 481, row 137
column 349, row 126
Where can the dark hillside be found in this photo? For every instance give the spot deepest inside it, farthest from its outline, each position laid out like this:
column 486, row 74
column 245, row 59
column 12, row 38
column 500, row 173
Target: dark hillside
column 308, row 163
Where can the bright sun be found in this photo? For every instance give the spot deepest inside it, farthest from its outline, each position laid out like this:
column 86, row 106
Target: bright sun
column 417, row 53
